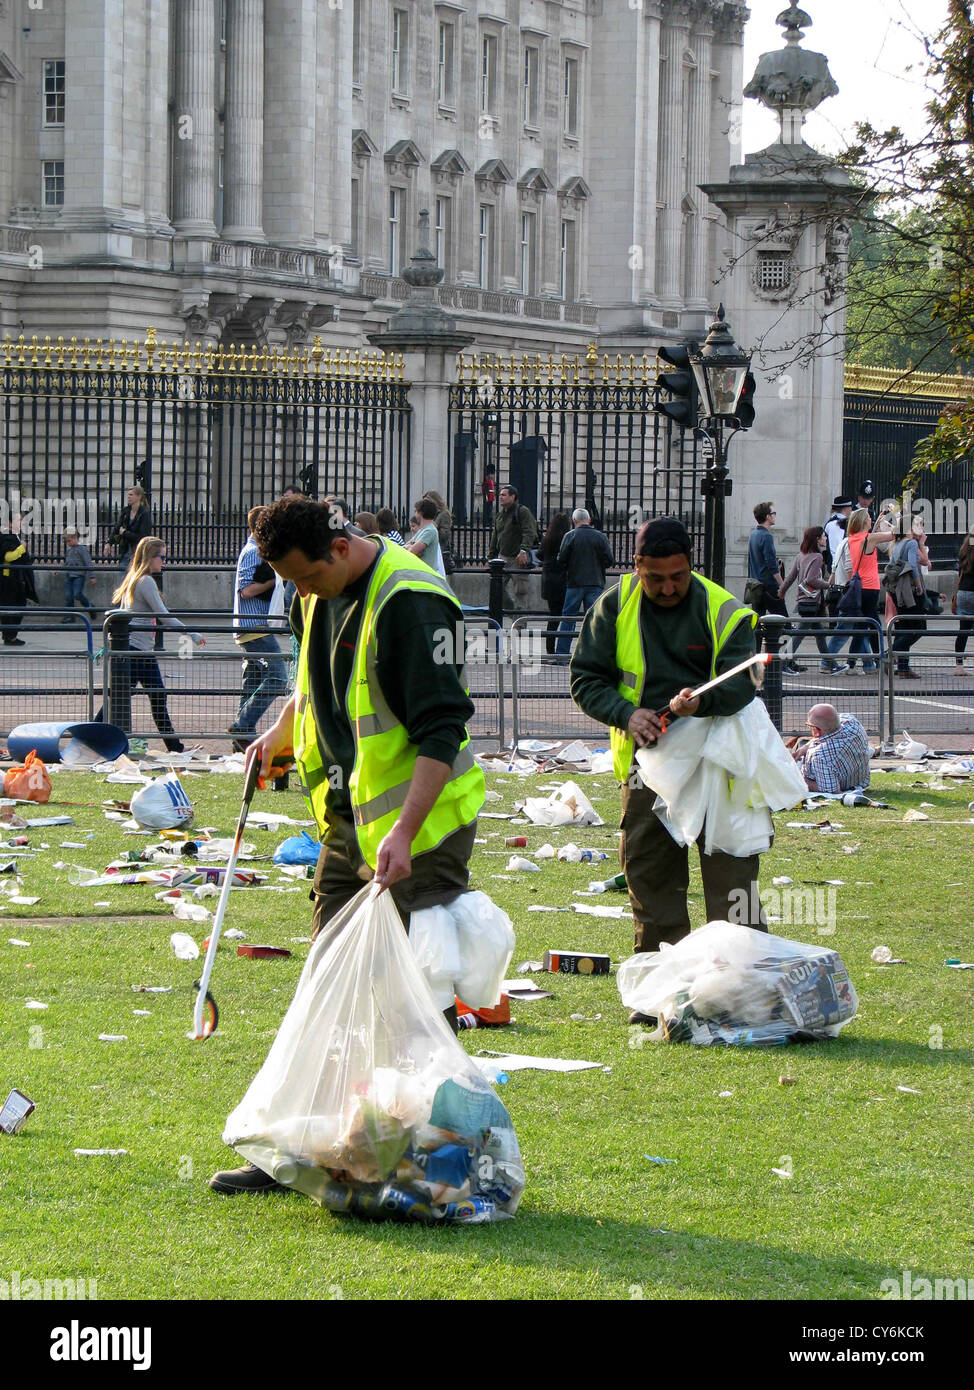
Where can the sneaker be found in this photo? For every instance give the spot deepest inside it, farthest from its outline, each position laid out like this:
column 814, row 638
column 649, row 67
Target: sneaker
column 792, row 668
column 825, row 667
column 648, row 1019
column 840, row 668
column 869, row 667
column 246, row 1179
column 908, row 675
column 15, row 642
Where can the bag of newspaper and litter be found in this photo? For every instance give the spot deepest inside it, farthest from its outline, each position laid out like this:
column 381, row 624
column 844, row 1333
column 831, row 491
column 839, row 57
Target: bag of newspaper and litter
column 162, row 805
column 366, row 1101
column 725, row 985
column 567, row 806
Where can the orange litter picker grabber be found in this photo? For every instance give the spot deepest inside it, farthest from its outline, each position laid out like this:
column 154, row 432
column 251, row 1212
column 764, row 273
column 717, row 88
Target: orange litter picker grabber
column 205, row 1003
column 754, row 664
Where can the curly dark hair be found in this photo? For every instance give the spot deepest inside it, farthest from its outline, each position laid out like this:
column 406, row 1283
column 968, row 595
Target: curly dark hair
column 295, row 524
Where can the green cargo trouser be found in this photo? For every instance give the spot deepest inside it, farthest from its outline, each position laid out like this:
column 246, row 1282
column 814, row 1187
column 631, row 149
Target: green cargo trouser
column 657, row 873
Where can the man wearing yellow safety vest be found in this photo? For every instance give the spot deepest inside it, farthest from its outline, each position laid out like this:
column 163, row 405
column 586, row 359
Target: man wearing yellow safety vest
column 377, row 721
column 663, row 630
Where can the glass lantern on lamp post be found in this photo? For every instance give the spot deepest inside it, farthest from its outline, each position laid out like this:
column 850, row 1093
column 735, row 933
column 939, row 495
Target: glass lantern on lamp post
column 722, row 373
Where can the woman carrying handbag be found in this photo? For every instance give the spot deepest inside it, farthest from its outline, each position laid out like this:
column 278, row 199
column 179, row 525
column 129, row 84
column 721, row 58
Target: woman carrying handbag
column 861, row 597
column 812, row 585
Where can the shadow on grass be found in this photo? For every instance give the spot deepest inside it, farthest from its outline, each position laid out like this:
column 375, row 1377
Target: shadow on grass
column 624, row 1259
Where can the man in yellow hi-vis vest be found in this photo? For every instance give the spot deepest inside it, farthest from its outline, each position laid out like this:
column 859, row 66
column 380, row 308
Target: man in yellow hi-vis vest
column 377, row 722
column 661, row 630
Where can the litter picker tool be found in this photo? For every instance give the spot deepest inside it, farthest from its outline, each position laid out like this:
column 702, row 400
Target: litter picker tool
column 754, row 664
column 205, row 1003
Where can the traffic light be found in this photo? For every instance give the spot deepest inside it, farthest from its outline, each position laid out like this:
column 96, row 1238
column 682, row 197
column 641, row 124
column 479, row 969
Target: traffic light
column 683, row 407
column 745, row 406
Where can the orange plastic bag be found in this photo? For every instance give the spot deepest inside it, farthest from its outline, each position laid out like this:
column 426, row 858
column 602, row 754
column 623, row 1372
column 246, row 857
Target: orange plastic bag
column 496, row 1017
column 30, row 782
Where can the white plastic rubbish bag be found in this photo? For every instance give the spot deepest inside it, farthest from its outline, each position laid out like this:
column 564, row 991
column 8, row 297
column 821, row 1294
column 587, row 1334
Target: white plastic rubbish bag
column 731, row 772
column 162, row 805
column 725, row 984
column 463, row 949
column 567, row 806
column 366, row 1102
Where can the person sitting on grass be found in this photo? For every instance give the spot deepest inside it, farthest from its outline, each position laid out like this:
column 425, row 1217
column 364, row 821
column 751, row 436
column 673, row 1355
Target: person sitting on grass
column 836, row 757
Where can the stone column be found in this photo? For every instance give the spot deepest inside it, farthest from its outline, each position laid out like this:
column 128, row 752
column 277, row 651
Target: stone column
column 156, row 135
column 194, row 143
column 672, row 183
column 699, row 169
column 243, row 158
column 289, row 124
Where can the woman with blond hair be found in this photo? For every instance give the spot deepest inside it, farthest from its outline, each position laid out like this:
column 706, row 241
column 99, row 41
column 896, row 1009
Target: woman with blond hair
column 858, row 556
column 132, row 526
column 138, row 597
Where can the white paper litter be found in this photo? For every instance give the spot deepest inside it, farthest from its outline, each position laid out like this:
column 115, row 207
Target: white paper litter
column 913, row 815
column 35, row 1004
column 523, row 865
column 568, row 806
column 12, row 941
column 112, row 1037
column 184, row 947
column 514, row 1061
column 94, row 1153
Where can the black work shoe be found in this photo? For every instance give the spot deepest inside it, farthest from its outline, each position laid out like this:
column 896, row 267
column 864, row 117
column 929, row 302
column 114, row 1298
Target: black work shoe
column 246, row 1179
column 647, row 1019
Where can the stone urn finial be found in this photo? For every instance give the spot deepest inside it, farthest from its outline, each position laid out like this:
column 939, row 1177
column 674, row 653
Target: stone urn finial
column 793, row 80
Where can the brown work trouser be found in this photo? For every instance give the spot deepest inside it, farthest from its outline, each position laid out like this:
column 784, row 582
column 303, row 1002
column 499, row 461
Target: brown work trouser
column 657, row 873
column 437, row 877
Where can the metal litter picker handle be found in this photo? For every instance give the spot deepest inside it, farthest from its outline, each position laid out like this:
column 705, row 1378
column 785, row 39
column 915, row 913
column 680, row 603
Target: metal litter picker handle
column 666, row 715
column 203, row 996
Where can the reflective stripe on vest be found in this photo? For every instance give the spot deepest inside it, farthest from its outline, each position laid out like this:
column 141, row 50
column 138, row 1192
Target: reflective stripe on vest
column 384, row 757
column 724, row 613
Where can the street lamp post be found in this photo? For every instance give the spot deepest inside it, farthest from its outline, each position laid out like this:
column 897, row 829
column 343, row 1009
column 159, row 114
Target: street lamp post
column 721, row 371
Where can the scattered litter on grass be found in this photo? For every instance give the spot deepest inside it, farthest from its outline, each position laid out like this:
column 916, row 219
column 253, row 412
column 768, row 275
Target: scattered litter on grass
column 152, row 989
column 142, row 1013
column 102, row 904
column 909, row 1090
column 522, row 865
column 19, row 900
column 570, row 962
column 913, row 814
column 184, row 947
column 14, row 1111
column 787, row 1081
column 594, row 910
column 490, row 795
column 954, row 964
column 98, row 1153
column 184, row 911
column 585, row 1018
column 782, row 1172
column 35, row 1004
column 850, row 849
column 112, row 1037
column 652, row 1158
column 782, row 882
column 545, row 852
column 514, row 1061
column 12, row 941
column 725, row 1095
column 235, row 934
column 525, row 991
column 527, row 966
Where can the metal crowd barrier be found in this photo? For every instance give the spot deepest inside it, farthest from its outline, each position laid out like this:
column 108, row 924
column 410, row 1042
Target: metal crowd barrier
column 484, row 666
column 542, row 706
column 858, row 692
column 42, row 680
column 941, row 700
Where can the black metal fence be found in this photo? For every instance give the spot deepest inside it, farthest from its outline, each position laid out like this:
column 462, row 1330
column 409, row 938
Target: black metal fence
column 883, row 426
column 566, row 433
column 208, row 433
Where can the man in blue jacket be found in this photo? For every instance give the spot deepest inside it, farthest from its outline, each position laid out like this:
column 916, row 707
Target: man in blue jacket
column 585, row 555
column 764, row 587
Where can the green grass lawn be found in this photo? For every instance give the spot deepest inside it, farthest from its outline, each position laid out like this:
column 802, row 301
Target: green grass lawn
column 880, row 1174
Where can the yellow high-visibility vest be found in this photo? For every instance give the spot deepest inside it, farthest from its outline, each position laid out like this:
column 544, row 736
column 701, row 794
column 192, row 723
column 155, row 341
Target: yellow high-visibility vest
column 724, row 613
column 384, row 757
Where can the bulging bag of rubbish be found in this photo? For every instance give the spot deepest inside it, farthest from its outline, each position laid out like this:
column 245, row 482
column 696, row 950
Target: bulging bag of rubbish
column 297, row 849
column 366, row 1101
column 162, row 805
column 725, row 985
column 31, row 782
